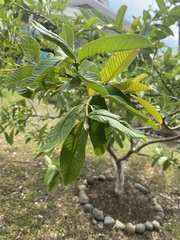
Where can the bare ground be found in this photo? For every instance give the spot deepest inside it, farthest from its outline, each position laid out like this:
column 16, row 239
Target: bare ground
column 28, row 211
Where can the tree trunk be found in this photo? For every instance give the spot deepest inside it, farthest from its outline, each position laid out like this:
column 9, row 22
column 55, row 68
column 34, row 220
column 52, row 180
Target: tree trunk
column 119, row 186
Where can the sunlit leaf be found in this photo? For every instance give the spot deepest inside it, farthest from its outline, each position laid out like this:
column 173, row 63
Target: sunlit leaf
column 113, row 43
column 117, row 63
column 150, row 108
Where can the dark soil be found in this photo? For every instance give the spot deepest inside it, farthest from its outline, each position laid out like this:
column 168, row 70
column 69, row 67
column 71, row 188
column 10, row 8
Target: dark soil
column 132, row 206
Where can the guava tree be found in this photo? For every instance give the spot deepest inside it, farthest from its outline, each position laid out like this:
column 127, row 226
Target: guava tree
column 101, row 82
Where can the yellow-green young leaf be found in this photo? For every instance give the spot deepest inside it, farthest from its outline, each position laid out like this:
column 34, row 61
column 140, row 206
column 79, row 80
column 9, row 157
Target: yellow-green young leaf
column 130, row 86
column 150, row 108
column 134, row 25
column 140, row 77
column 117, row 63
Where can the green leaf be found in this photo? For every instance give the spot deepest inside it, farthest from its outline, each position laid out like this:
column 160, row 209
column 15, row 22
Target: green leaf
column 98, row 133
column 150, row 108
column 134, row 25
column 73, row 154
column 90, row 80
column 15, row 78
column 174, row 12
column 119, row 17
column 67, row 35
column 101, row 16
column 133, row 111
column 24, row 92
column 117, row 63
column 54, row 182
column 54, row 38
column 113, row 43
column 31, row 48
column 130, row 86
column 90, row 66
column 46, row 63
column 51, row 171
column 113, row 120
column 161, row 4
column 62, row 129
column 146, row 29
column 85, row 13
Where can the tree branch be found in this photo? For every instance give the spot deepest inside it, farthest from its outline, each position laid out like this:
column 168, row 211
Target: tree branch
column 157, row 141
column 35, row 13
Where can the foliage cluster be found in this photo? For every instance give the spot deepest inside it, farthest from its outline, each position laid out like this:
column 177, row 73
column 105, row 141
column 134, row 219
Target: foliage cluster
column 102, row 77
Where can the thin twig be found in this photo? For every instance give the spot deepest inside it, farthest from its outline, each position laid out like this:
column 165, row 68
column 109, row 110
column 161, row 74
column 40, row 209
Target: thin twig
column 35, row 13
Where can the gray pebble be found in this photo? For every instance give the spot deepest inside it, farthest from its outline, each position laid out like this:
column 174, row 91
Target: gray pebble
column 97, row 214
column 154, row 201
column 140, row 228
column 159, row 219
column 161, row 214
column 156, row 225
column 82, row 187
column 119, row 225
column 148, row 226
column 83, row 197
column 130, row 228
column 88, row 208
column 90, row 181
column 141, row 188
column 158, row 208
column 109, row 221
column 101, row 178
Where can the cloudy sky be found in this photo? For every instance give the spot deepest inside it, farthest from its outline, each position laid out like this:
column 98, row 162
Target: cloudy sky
column 136, row 7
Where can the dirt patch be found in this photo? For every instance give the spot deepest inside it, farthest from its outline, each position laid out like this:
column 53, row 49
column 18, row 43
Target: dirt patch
column 132, row 206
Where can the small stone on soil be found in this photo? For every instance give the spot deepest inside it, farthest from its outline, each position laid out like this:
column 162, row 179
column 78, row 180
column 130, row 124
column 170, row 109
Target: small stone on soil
column 119, row 225
column 161, row 214
column 109, row 221
column 90, row 181
column 88, row 208
column 148, row 226
column 159, row 219
column 156, row 225
column 97, row 214
column 130, row 228
column 154, row 201
column 158, row 208
column 141, row 188
column 82, row 187
column 101, row 178
column 83, row 197
column 140, row 228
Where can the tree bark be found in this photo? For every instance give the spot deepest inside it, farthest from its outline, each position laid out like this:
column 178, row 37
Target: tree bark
column 119, row 185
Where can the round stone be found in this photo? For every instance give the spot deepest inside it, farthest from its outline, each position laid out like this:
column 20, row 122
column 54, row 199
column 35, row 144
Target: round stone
column 109, row 221
column 154, row 201
column 148, row 226
column 140, row 228
column 90, row 181
column 161, row 214
column 101, row 178
column 88, row 208
column 97, row 214
column 159, row 219
column 156, row 225
column 158, row 208
column 130, row 228
column 119, row 225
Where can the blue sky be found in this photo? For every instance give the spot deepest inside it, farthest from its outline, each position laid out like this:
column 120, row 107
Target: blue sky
column 135, row 8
